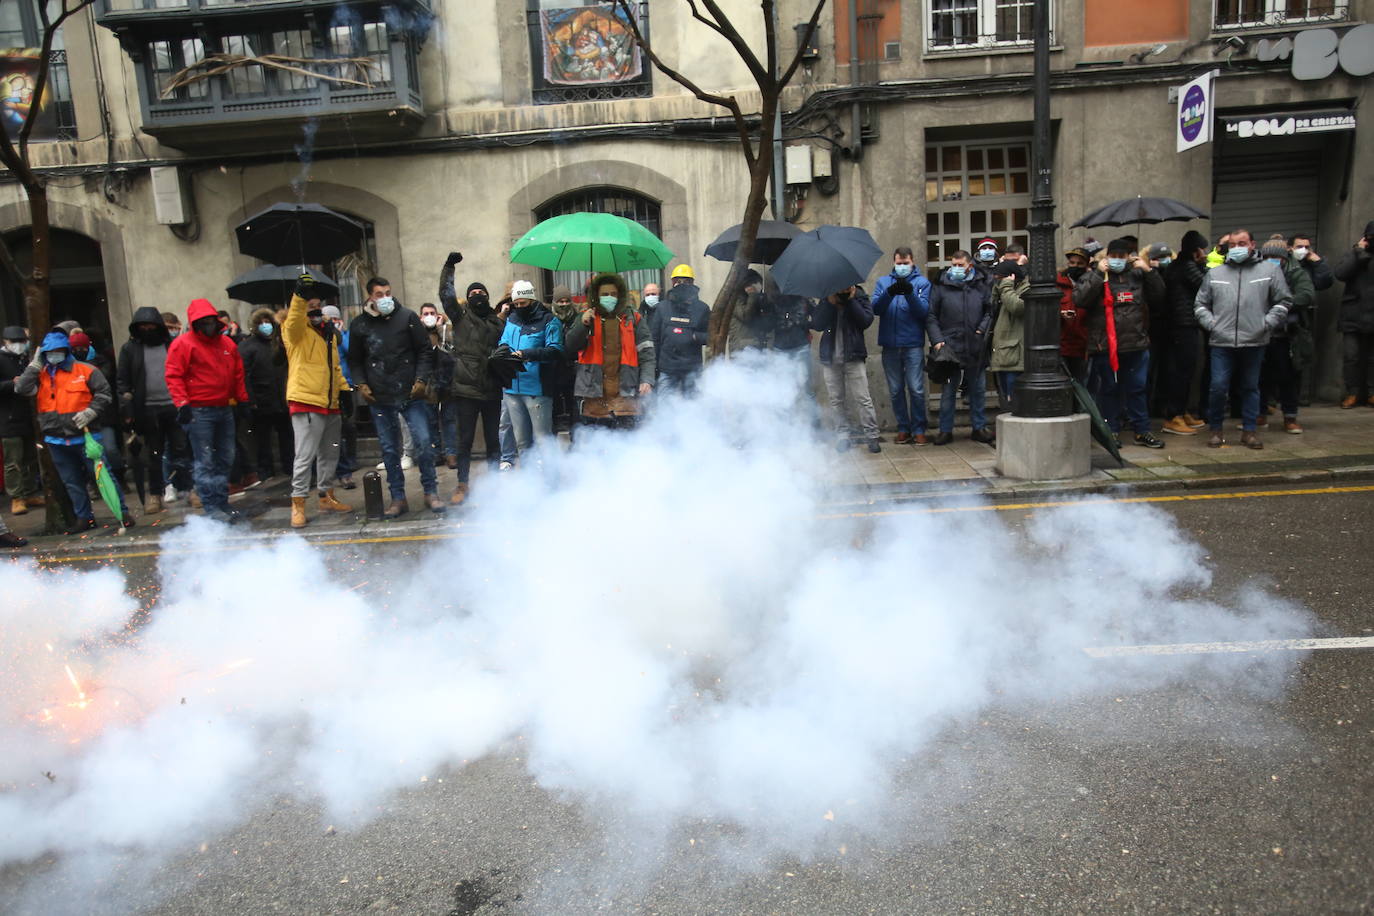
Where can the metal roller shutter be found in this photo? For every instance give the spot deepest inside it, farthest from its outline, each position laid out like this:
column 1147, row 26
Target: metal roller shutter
column 1267, row 193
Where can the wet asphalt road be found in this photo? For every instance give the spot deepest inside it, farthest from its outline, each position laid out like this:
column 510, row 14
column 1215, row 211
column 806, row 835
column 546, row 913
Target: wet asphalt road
column 1185, row 799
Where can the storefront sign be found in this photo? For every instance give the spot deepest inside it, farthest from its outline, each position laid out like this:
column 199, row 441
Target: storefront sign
column 1195, row 106
column 1316, row 53
column 1250, row 127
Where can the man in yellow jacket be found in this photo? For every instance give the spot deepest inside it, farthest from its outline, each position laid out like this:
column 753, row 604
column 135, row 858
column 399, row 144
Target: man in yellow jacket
column 314, row 380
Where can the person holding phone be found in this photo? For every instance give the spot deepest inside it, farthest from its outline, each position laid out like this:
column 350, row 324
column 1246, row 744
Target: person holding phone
column 1073, row 336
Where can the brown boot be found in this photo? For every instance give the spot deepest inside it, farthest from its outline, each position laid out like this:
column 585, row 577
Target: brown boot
column 460, row 493
column 19, row 507
column 396, row 509
column 1193, row 422
column 1216, row 440
column 1250, row 439
column 434, row 503
column 327, row 501
column 153, row 504
column 193, row 500
column 1179, row 427
column 1349, row 401
column 298, row 512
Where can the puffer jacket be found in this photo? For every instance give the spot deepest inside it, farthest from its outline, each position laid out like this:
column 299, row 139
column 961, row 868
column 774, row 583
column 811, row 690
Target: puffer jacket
column 540, row 339
column 960, row 317
column 852, row 319
column 1239, row 305
column 1133, row 292
column 1181, row 282
column 63, row 391
column 264, row 367
column 1009, row 333
column 389, row 354
column 679, row 326
column 314, row 368
column 1356, row 271
column 901, row 316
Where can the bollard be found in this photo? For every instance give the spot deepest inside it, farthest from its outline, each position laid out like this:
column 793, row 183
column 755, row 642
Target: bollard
column 372, row 494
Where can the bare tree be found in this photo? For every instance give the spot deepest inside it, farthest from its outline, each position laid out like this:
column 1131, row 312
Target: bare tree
column 37, row 282
column 756, row 143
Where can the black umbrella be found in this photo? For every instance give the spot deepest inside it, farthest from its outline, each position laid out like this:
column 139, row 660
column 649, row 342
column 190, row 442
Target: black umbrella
column 826, row 260
column 1138, row 209
column 298, row 234
column 271, row 285
column 768, row 247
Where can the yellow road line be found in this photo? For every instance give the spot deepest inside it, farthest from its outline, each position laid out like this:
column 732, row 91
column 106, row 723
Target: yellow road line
column 933, row 510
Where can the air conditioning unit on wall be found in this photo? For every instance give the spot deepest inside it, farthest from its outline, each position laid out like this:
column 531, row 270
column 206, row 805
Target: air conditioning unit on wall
column 170, row 203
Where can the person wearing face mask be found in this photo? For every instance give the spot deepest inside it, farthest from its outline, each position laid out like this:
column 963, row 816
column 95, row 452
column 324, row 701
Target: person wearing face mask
column 649, row 298
column 1281, row 373
column 1187, row 366
column 173, row 325
column 565, row 373
column 70, row 396
column 1356, row 270
column 752, row 320
column 16, row 425
column 443, row 413
column 536, row 336
column 315, row 383
column 1117, row 298
column 901, row 300
column 985, row 257
column 841, row 318
column 960, row 318
column 265, row 374
column 146, row 406
column 476, row 329
column 1240, row 304
column 106, row 426
column 616, row 361
column 205, row 378
column 679, row 327
column 392, row 363
column 1318, row 270
column 1159, row 256
column 1073, row 336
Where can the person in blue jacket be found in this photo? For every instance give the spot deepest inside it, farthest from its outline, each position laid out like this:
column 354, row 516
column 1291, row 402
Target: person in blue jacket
column 901, row 300
column 536, row 336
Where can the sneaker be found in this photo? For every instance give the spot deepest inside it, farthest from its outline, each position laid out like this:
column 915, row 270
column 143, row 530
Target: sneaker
column 128, row 519
column 1349, row 401
column 1216, row 440
column 381, row 465
column 903, row 438
column 82, row 525
column 942, row 438
column 407, row 462
column 346, row 481
column 170, row 494
column 1149, row 440
column 1290, row 425
column 1251, row 439
column 1263, row 420
column 874, row 446
column 1193, row 421
column 1179, row 427
column 10, row 541
column 506, row 466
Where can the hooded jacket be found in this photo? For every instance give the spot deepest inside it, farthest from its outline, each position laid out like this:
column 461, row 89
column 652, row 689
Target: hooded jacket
column 476, row 330
column 1134, row 291
column 1238, row 305
column 16, row 410
column 902, row 316
column 1356, row 271
column 960, row 316
column 204, row 371
column 850, row 319
column 1008, row 334
column 627, row 326
column 679, row 326
column 131, row 379
column 64, row 390
column 264, row 365
column 540, row 338
column 313, row 359
column 389, row 354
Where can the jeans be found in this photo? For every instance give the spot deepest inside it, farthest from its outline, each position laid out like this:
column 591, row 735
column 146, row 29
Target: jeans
column 531, row 419
column 443, row 428
column 1122, row 391
column 73, row 467
column 906, row 385
column 1006, row 388
column 163, row 438
column 469, row 410
column 211, row 432
column 1358, row 363
column 348, row 437
column 387, row 418
column 1279, row 377
column 108, row 437
column 847, row 386
column 317, row 449
column 684, row 385
column 1245, row 363
column 976, row 383
column 21, row 466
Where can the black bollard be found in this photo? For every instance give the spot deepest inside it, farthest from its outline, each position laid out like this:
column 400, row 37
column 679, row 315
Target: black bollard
column 372, row 494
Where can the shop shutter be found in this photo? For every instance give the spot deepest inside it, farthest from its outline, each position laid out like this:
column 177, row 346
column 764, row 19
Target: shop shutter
column 1267, row 193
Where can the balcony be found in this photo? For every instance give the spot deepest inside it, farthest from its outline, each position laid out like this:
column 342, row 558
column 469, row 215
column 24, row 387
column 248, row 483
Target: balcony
column 238, row 74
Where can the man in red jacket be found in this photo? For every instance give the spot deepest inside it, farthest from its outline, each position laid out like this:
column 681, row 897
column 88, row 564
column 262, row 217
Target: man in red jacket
column 205, row 379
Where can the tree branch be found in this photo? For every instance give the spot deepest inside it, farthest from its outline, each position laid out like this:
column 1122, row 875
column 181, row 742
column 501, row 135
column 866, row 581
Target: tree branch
column 709, row 23
column 732, row 34
column 40, row 84
column 770, row 37
column 786, row 77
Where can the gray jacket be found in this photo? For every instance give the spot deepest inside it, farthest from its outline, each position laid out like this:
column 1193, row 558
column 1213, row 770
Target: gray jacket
column 1238, row 305
column 590, row 376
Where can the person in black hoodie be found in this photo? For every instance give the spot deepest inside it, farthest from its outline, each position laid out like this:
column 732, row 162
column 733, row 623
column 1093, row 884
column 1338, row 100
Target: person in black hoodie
column 1182, row 278
column 842, row 317
column 145, row 405
column 679, row 327
column 476, row 329
column 264, row 374
column 1356, row 270
column 16, row 425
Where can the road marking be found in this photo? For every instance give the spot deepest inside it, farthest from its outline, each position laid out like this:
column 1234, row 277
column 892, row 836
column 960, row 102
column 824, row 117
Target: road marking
column 1099, row 501
column 1212, row 648
column 931, row 510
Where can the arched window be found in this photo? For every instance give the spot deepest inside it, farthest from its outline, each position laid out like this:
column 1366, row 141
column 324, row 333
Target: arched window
column 617, row 201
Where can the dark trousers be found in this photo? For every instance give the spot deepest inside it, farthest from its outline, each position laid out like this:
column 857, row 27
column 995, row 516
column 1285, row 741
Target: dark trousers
column 1185, row 356
column 21, row 467
column 1242, row 363
column 262, row 429
column 211, row 432
column 1358, row 350
column 348, row 437
column 469, row 410
column 443, row 428
column 1122, row 392
column 163, row 436
column 1279, row 378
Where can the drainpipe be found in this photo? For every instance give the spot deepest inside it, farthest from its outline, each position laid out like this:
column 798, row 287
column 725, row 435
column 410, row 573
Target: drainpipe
column 856, row 148
column 779, row 186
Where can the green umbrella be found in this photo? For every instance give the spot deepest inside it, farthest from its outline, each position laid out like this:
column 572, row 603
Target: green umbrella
column 1100, row 430
column 109, row 490
column 590, row 241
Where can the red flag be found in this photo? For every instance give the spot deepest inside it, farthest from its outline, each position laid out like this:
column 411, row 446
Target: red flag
column 1109, row 303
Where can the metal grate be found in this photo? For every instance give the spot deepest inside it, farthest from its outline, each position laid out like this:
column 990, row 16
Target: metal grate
column 61, row 86
column 1230, row 14
column 547, row 93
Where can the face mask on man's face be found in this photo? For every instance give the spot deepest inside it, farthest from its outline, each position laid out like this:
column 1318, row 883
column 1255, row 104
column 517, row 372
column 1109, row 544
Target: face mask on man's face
column 957, row 273
column 56, row 357
column 609, row 302
column 429, row 321
column 1302, row 252
column 386, row 305
column 265, row 329
column 1116, row 265
column 902, row 270
column 17, row 347
column 652, row 300
column 1237, row 254
column 987, row 254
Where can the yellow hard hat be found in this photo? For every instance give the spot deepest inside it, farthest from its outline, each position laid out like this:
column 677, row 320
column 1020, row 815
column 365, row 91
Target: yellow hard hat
column 682, row 270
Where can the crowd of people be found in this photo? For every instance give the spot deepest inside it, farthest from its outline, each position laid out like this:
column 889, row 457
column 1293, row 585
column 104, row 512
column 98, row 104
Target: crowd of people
column 1193, row 335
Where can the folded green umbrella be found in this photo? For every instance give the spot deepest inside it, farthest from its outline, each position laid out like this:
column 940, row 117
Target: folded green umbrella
column 591, row 242
column 109, row 490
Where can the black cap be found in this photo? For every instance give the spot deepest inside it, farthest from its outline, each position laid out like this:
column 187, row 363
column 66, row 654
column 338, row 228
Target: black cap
column 475, row 286
column 14, row 332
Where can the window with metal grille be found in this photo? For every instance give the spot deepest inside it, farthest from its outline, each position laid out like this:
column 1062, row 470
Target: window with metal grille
column 617, row 201
column 971, row 24
column 582, row 51
column 975, row 190
column 1231, row 14
column 168, row 58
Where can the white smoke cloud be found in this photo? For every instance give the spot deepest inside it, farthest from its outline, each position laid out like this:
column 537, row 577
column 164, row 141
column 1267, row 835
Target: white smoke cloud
column 659, row 620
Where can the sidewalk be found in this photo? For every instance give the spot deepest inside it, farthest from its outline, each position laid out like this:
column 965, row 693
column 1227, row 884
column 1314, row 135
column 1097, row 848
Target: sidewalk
column 1338, row 445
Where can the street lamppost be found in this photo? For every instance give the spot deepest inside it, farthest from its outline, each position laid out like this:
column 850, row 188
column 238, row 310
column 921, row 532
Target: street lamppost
column 1042, row 390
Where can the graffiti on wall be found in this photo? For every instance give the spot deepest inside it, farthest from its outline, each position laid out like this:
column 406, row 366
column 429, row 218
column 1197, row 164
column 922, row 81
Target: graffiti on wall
column 588, row 45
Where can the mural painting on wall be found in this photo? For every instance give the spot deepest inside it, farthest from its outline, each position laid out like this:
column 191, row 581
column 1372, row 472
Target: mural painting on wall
column 587, row 45
column 18, row 73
